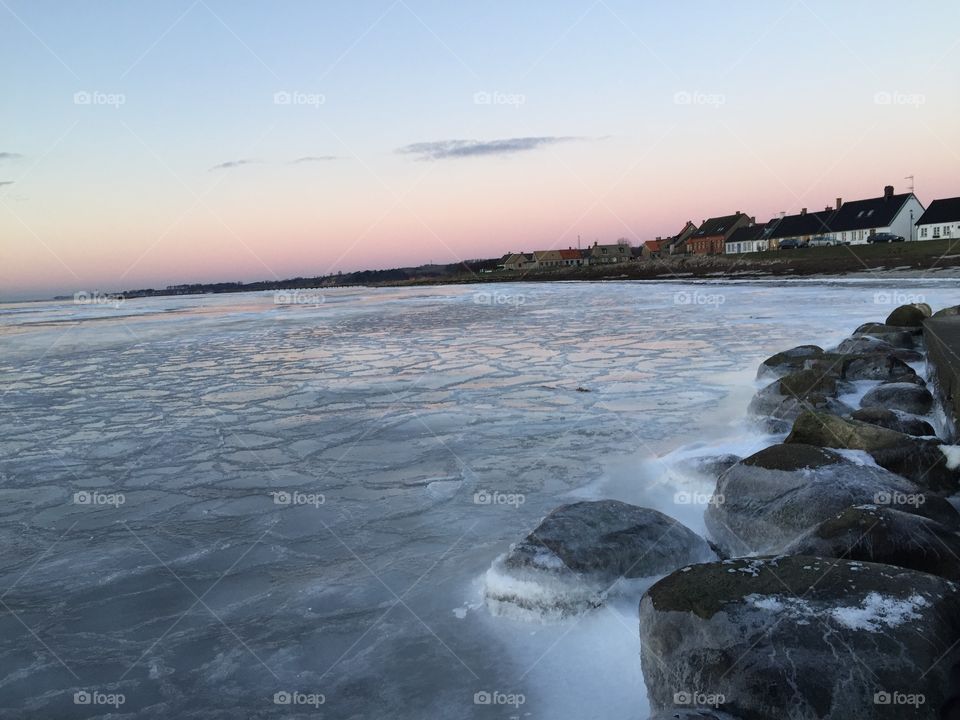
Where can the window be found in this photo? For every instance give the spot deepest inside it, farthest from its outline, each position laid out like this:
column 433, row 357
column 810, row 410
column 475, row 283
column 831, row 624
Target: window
column 936, row 231
column 923, row 232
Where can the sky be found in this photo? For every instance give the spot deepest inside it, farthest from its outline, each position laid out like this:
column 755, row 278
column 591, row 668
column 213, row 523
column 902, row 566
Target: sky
column 145, row 144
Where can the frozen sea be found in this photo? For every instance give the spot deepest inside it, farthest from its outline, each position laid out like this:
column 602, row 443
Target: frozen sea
column 223, row 507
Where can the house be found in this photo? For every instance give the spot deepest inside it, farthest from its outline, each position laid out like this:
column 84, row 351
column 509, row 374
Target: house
column 673, row 245
column 572, row 258
column 547, row 259
column 940, row 220
column 677, row 245
column 605, row 254
column 519, row 261
column 854, row 222
column 801, row 227
column 711, row 237
column 750, row 238
column 653, row 248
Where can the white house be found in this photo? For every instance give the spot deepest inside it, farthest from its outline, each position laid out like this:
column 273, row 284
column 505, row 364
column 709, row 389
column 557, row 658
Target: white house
column 940, row 220
column 854, row 222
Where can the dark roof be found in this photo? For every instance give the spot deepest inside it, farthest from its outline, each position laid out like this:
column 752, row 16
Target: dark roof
column 941, row 211
column 744, row 234
column 863, row 214
column 717, row 225
column 816, row 223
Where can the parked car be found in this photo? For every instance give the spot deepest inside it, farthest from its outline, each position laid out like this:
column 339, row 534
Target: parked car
column 791, row 244
column 822, row 241
column 884, row 237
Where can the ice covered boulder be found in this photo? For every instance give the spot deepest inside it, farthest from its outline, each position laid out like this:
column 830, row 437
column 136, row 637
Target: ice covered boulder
column 905, row 396
column 788, row 361
column 884, row 534
column 892, row 420
column 785, row 398
column 580, row 552
column 767, row 500
column 801, row 637
column 916, row 459
column 911, row 315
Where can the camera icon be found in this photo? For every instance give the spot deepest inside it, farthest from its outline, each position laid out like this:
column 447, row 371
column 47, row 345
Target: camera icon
column 82, row 498
column 682, row 698
column 882, row 98
column 282, row 98
column 282, row 498
column 882, row 498
column 282, row 698
column 882, row 698
column 482, row 98
column 482, row 698
column 482, row 498
column 682, row 97
column 82, row 97
column 682, row 298
column 482, row 298
column 82, row 697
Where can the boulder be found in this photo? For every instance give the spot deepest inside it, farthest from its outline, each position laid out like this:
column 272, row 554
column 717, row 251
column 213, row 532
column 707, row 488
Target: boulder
column 785, row 398
column 788, row 361
column 892, row 420
column 801, row 637
column 911, row 315
column 767, row 500
column 948, row 311
column 885, row 534
column 895, row 336
column 921, row 461
column 869, row 366
column 907, row 397
column 580, row 551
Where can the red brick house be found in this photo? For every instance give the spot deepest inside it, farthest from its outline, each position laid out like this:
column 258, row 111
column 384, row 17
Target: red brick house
column 711, row 237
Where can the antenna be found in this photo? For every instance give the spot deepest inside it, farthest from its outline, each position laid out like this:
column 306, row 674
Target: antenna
column 910, row 178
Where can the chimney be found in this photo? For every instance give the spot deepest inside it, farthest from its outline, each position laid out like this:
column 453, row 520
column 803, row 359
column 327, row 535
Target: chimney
column 783, row 214
column 827, row 208
column 839, row 203
column 803, row 211
column 888, row 192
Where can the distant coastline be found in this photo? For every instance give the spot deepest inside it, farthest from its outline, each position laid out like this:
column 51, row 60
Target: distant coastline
column 918, row 256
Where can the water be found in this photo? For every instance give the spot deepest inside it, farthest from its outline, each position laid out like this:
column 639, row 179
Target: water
column 207, row 501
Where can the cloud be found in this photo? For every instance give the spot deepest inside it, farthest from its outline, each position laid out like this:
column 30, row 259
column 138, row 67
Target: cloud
column 10, row 156
column 233, row 164
column 6, row 182
column 315, row 158
column 443, row 149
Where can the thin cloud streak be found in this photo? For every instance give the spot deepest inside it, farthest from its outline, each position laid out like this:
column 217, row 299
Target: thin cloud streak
column 10, row 156
column 233, row 164
column 445, row 149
